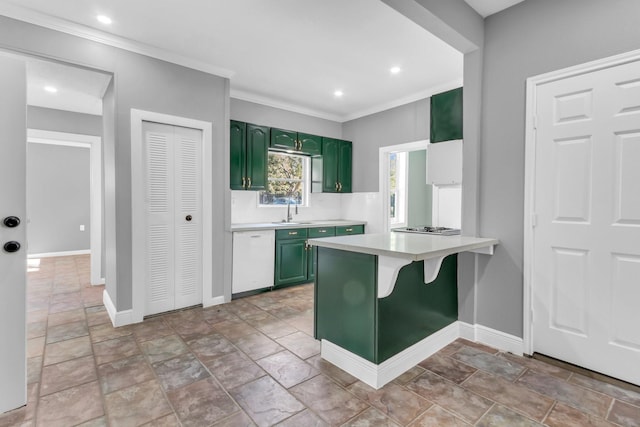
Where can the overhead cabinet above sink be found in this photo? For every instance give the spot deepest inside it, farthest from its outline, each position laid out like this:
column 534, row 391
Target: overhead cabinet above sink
column 304, row 143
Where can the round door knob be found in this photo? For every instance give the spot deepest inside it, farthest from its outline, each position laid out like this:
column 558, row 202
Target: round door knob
column 188, row 218
column 11, row 221
column 12, row 246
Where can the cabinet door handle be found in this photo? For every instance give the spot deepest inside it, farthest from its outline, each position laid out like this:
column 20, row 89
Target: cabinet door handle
column 339, row 186
column 322, row 231
column 248, row 183
column 336, row 186
column 348, row 230
column 293, row 233
column 244, row 182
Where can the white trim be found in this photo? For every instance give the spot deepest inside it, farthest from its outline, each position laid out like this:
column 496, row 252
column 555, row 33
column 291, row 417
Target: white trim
column 94, row 143
column 530, row 167
column 64, row 26
column 138, row 218
column 62, row 253
column 377, row 376
column 492, row 337
column 213, row 301
column 118, row 318
column 383, row 168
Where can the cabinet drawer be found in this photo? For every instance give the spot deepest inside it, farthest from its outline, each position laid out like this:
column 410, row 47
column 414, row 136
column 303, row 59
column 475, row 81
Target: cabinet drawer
column 322, row 232
column 349, row 229
column 291, row 233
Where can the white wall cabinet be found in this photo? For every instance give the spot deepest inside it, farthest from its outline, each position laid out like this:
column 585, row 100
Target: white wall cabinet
column 444, row 163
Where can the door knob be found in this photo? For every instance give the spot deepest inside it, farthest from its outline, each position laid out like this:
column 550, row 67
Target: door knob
column 11, row 221
column 12, row 246
column 188, row 217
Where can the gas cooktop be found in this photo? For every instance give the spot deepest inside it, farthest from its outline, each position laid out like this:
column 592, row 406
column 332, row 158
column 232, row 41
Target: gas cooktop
column 426, row 229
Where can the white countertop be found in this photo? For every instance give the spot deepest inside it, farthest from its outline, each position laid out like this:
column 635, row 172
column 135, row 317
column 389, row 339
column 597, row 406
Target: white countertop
column 294, row 224
column 410, row 246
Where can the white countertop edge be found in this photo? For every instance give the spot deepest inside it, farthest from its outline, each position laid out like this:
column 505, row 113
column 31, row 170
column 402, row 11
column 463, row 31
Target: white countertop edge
column 301, row 224
column 477, row 243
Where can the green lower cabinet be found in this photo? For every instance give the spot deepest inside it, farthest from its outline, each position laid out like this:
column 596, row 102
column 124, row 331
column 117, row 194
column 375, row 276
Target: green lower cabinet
column 291, row 262
column 349, row 314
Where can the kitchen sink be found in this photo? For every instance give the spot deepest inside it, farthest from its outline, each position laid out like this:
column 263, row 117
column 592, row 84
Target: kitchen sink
column 291, row 223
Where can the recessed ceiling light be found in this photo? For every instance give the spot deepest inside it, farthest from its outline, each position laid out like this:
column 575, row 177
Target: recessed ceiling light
column 104, row 19
column 395, row 70
column 338, row 93
column 51, row 89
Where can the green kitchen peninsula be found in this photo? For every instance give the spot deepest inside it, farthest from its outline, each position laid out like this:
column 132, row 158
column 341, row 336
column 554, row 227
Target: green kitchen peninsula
column 384, row 302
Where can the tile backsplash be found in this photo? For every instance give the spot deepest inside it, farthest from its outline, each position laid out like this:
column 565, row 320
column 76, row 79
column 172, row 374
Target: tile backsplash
column 322, row 206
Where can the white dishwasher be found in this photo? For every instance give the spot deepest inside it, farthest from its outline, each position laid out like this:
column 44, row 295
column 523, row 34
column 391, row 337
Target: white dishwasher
column 253, row 260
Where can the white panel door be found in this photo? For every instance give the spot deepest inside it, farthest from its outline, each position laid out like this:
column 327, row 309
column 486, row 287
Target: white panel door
column 586, row 267
column 13, row 161
column 173, row 192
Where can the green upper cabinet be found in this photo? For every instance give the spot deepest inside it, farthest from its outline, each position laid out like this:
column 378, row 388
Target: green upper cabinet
column 290, row 140
column 336, row 165
column 284, row 139
column 446, row 116
column 248, row 156
column 310, row 144
column 238, row 155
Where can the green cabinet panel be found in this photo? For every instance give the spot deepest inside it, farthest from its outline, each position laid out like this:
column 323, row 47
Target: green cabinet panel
column 257, row 157
column 248, row 156
column 283, row 139
column 310, row 144
column 291, row 233
column 336, row 165
column 350, row 229
column 346, row 300
column 348, row 312
column 414, row 310
column 300, row 142
column 311, row 261
column 291, row 261
column 344, row 166
column 238, row 155
column 446, row 116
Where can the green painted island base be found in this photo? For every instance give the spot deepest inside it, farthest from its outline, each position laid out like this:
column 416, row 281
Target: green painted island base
column 380, row 336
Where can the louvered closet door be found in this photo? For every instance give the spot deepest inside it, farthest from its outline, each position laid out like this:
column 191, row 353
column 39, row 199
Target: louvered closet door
column 173, row 260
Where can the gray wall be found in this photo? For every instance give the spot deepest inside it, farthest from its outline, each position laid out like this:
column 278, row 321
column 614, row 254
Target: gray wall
column 58, row 198
column 419, row 193
column 251, row 112
column 149, row 84
column 406, row 123
column 529, row 39
column 63, row 121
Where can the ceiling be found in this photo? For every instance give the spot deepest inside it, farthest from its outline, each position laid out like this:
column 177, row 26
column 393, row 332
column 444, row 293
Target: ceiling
column 292, row 54
column 489, row 7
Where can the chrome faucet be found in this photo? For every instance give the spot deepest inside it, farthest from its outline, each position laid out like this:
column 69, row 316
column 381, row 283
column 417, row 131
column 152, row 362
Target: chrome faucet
column 289, row 216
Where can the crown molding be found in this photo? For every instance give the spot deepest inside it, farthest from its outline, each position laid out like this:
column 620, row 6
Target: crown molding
column 37, row 18
column 405, row 100
column 244, row 95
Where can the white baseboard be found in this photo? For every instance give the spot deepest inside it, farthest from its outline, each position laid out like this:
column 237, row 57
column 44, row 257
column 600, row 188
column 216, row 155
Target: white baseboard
column 118, row 318
column 377, row 376
column 492, row 338
column 65, row 253
column 213, row 301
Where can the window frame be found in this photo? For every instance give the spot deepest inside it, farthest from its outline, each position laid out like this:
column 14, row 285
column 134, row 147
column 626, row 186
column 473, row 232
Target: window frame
column 306, row 181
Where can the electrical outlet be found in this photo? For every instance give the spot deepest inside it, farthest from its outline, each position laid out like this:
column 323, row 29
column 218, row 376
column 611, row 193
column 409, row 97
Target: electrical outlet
column 81, row 227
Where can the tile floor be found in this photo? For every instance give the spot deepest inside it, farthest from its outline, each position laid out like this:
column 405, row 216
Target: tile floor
column 254, row 362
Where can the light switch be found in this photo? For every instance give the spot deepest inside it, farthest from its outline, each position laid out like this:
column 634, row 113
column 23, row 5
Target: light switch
column 81, row 227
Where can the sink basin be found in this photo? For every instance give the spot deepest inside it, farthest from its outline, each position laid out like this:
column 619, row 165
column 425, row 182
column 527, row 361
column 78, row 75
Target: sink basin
column 290, row 223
